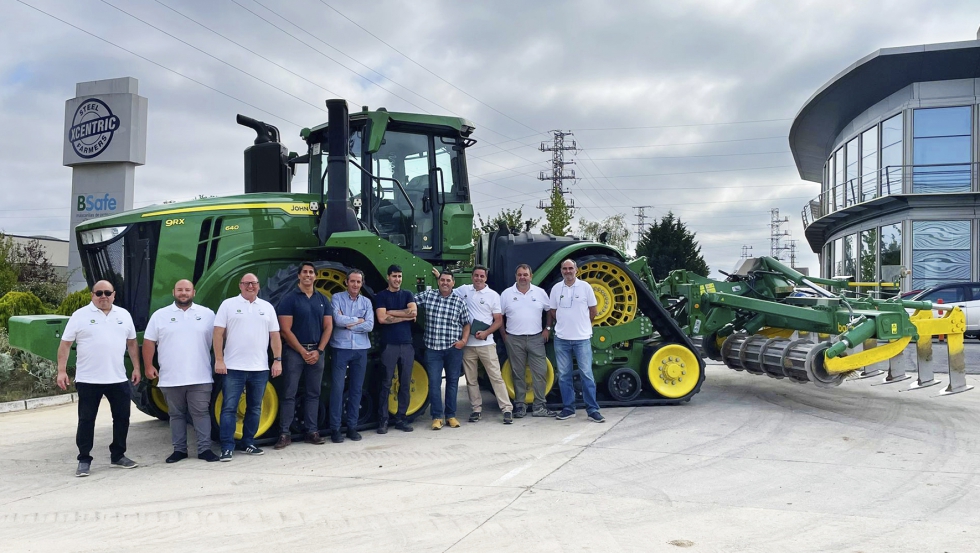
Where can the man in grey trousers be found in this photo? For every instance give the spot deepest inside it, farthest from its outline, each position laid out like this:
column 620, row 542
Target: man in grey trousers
column 523, row 306
column 180, row 334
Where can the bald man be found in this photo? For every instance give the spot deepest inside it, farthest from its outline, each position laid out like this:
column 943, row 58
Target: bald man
column 180, row 334
column 102, row 332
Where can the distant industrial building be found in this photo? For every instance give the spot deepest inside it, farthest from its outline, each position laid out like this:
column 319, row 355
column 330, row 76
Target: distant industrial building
column 892, row 142
column 55, row 249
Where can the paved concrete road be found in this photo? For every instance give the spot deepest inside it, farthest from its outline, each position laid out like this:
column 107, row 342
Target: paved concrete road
column 751, row 464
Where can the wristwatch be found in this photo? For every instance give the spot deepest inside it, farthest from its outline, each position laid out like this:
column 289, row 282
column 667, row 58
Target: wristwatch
column 277, row 358
column 320, row 351
column 548, row 328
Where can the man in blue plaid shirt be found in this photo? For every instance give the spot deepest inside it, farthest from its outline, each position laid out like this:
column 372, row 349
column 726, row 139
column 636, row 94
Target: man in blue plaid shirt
column 447, row 327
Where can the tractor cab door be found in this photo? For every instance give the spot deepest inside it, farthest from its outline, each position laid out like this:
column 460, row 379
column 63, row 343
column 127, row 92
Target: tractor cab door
column 418, row 193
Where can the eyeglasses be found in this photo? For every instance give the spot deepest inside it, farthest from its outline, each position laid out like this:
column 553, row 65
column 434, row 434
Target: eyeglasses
column 106, row 293
column 250, row 283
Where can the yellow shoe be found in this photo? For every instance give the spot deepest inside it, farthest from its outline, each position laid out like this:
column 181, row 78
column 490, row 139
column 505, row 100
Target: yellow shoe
column 437, row 424
column 452, row 422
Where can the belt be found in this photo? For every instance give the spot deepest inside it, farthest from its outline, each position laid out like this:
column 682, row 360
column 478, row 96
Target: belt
column 311, row 347
column 524, row 335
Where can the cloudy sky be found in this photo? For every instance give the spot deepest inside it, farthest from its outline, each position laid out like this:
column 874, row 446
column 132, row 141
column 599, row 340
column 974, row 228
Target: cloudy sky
column 680, row 106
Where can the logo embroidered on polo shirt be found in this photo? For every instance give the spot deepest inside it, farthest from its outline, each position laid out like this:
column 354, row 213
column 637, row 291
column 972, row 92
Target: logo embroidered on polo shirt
column 173, row 319
column 239, row 311
column 197, row 317
column 92, row 322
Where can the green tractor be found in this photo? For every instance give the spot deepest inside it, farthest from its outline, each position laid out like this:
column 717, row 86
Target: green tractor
column 383, row 188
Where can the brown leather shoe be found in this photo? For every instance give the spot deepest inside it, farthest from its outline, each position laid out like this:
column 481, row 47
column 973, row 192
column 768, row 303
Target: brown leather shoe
column 315, row 438
column 284, row 440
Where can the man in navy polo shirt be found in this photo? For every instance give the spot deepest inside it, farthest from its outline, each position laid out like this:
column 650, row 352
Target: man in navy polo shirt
column 395, row 311
column 305, row 324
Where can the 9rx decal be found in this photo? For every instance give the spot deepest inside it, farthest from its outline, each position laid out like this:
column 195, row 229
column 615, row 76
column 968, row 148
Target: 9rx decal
column 92, row 128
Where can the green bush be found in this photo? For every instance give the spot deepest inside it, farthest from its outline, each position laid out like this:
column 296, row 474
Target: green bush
column 74, row 302
column 19, row 303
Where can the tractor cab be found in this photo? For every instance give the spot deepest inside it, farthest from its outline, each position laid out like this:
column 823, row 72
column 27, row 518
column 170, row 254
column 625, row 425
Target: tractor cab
column 405, row 181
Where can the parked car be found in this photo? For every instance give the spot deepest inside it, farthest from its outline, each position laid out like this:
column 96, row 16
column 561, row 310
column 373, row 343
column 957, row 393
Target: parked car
column 965, row 295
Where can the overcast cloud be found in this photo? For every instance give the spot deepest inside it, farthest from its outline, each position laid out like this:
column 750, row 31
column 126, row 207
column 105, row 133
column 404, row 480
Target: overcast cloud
column 682, row 106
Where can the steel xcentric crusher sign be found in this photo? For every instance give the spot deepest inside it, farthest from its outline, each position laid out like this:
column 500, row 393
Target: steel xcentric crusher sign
column 92, row 128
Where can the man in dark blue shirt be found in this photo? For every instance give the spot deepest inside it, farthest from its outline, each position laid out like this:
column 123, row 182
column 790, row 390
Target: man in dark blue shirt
column 395, row 310
column 305, row 323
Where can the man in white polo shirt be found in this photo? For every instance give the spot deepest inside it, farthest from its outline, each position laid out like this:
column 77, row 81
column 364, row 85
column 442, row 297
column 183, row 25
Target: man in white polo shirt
column 573, row 306
column 244, row 327
column 524, row 305
column 103, row 333
column 180, row 334
column 484, row 306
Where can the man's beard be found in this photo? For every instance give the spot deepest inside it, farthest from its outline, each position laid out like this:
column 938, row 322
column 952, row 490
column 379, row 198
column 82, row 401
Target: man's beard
column 184, row 303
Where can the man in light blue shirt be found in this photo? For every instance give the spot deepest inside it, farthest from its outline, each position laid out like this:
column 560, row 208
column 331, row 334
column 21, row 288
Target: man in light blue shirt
column 353, row 320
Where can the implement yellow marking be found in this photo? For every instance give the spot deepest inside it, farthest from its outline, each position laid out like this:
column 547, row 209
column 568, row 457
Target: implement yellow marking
column 848, row 363
column 291, row 208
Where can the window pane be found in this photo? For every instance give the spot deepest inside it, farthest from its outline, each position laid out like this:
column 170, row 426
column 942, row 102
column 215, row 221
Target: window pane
column 851, row 190
column 891, row 156
column 869, row 163
column 948, row 295
column 869, row 252
column 940, row 252
column 890, row 244
column 839, row 179
column 941, row 122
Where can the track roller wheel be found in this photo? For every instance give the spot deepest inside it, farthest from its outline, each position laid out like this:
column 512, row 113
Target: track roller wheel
column 330, row 277
column 815, row 370
column 149, row 399
column 673, row 371
column 614, row 290
column 624, row 384
column 507, row 373
column 267, row 418
column 156, row 396
column 418, row 396
column 711, row 346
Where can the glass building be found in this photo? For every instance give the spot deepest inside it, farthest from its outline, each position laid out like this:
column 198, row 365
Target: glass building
column 892, row 140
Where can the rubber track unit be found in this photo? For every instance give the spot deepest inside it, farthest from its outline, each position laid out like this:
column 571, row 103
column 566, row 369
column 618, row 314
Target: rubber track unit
column 663, row 324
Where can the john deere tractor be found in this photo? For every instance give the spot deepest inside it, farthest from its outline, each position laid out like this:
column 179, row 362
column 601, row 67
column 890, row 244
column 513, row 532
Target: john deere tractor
column 383, row 188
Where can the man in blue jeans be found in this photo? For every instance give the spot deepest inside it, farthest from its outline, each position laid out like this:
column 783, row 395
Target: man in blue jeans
column 447, row 327
column 573, row 307
column 353, row 320
column 244, row 327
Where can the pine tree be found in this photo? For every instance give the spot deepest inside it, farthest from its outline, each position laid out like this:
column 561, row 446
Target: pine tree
column 668, row 246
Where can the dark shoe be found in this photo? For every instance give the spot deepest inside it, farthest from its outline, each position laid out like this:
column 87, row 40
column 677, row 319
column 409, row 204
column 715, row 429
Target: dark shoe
column 544, row 412
column 125, row 463
column 209, row 456
column 177, row 456
column 596, row 417
column 383, row 427
column 565, row 414
column 508, row 418
column 404, row 426
column 353, row 435
column 315, row 439
column 252, row 450
column 336, row 437
column 83, row 468
column 225, row 455
column 475, row 417
column 284, row 441
column 520, row 410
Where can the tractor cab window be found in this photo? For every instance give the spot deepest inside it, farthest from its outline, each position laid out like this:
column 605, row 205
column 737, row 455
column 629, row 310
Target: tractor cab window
column 403, row 208
column 318, row 160
column 451, row 176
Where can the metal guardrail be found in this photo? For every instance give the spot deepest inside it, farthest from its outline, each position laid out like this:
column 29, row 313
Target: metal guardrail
column 924, row 179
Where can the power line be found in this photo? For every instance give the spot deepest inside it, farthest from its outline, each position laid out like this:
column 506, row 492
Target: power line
column 686, row 125
column 160, row 65
column 690, row 143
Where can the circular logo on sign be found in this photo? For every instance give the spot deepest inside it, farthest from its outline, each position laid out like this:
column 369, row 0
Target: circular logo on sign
column 92, row 128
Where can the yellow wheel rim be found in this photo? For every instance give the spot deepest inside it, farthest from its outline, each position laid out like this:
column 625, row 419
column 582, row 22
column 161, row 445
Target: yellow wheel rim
column 330, row 281
column 507, row 373
column 418, row 392
column 270, row 410
column 673, row 371
column 614, row 292
column 157, row 396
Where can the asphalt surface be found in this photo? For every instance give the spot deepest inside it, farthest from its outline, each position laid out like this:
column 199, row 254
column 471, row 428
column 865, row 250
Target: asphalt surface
column 751, row 464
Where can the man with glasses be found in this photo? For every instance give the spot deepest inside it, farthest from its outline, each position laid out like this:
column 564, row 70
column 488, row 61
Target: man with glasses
column 572, row 309
column 103, row 333
column 305, row 322
column 244, row 327
column 353, row 316
column 180, row 334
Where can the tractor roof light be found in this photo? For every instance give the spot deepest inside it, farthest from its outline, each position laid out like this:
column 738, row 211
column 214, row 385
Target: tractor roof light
column 99, row 235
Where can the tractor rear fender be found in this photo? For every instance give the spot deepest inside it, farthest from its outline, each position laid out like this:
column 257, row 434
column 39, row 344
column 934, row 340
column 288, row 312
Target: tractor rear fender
column 549, row 269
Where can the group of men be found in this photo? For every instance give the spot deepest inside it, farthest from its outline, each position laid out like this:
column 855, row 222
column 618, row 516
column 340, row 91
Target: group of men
column 460, row 323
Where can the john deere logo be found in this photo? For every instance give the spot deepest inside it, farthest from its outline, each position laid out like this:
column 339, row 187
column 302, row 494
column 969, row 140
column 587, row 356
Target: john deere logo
column 92, row 128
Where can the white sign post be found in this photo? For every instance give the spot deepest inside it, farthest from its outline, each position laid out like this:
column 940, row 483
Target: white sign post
column 105, row 139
